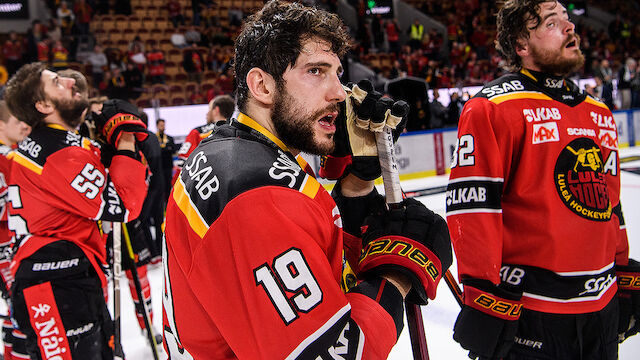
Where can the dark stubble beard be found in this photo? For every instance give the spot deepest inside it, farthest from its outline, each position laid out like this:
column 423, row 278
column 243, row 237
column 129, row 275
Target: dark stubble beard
column 552, row 62
column 71, row 110
column 295, row 127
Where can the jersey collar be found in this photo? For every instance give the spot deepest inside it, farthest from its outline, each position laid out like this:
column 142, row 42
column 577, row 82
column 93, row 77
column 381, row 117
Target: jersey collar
column 547, row 81
column 247, row 121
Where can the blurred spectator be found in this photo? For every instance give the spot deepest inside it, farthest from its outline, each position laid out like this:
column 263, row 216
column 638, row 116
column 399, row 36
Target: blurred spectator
column 197, row 97
column 590, row 90
column 604, row 71
column 393, row 35
column 136, row 41
column 210, row 15
column 175, row 13
column 156, row 66
column 178, row 40
column 134, row 80
column 416, row 34
column 454, row 110
column 137, row 57
column 635, row 89
column 98, row 61
column 626, row 74
column 196, row 7
column 192, row 36
column 604, row 91
column 59, row 56
column 103, row 85
column 168, row 149
column 44, row 50
column 83, row 13
column 54, row 32
column 438, row 111
column 12, row 52
column 193, row 64
column 66, row 18
column 117, row 87
column 419, row 115
column 34, row 36
column 225, row 81
column 377, row 32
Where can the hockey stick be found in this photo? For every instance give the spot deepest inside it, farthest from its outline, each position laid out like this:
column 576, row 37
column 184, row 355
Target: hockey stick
column 425, row 192
column 393, row 194
column 142, row 308
column 117, row 273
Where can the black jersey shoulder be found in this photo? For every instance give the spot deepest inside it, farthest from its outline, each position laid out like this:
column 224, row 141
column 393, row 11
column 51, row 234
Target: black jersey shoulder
column 205, row 128
column 233, row 161
column 518, row 85
column 45, row 141
column 510, row 83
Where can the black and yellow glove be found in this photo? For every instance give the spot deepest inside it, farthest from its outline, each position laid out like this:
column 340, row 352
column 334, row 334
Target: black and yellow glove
column 362, row 114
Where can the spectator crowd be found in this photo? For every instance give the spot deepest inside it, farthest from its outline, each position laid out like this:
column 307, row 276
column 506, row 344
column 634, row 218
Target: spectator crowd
column 191, row 62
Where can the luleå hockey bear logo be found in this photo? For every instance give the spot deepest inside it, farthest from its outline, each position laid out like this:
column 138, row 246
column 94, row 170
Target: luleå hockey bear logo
column 580, row 180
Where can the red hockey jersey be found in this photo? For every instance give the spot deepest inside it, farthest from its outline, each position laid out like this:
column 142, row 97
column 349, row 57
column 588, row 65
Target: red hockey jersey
column 59, row 189
column 194, row 138
column 253, row 260
column 5, row 234
column 533, row 196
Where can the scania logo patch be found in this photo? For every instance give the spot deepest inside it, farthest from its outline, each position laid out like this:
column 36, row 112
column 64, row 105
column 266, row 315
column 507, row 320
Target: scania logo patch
column 580, row 180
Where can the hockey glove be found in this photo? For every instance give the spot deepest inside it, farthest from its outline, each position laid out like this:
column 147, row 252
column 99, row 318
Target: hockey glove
column 362, row 114
column 411, row 239
column 629, row 299
column 118, row 116
column 488, row 321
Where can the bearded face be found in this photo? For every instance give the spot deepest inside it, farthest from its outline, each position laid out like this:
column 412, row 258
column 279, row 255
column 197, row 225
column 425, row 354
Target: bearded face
column 71, row 110
column 295, row 125
column 561, row 61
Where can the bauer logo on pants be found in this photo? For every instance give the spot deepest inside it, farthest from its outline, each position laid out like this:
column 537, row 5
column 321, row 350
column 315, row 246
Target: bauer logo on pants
column 580, row 180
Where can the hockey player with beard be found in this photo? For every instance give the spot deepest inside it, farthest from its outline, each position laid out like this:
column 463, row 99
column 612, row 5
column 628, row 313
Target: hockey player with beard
column 254, row 245
column 533, row 204
column 12, row 131
column 58, row 189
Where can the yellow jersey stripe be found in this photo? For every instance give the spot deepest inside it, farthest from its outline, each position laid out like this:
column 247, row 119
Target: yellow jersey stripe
column 595, row 102
column 24, row 161
column 310, row 186
column 519, row 95
column 244, row 119
column 181, row 197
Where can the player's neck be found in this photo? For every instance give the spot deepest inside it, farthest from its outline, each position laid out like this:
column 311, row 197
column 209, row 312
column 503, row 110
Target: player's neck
column 57, row 120
column 4, row 140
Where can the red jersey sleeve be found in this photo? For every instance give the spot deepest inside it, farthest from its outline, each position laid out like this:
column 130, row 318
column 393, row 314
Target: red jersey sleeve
column 481, row 162
column 80, row 184
column 264, row 283
column 190, row 142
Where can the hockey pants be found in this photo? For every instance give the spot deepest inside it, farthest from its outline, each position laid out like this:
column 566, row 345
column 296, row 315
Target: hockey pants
column 58, row 304
column 545, row 336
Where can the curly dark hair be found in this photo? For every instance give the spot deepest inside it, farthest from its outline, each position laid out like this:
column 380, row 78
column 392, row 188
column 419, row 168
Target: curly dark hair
column 23, row 91
column 272, row 39
column 513, row 17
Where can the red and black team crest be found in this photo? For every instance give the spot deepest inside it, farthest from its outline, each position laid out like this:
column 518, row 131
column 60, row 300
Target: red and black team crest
column 581, row 182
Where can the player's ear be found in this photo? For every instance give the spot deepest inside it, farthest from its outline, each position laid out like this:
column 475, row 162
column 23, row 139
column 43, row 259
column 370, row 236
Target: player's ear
column 262, row 86
column 522, row 47
column 45, row 106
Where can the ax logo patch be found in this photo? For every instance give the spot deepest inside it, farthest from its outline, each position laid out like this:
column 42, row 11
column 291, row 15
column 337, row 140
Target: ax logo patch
column 545, row 132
